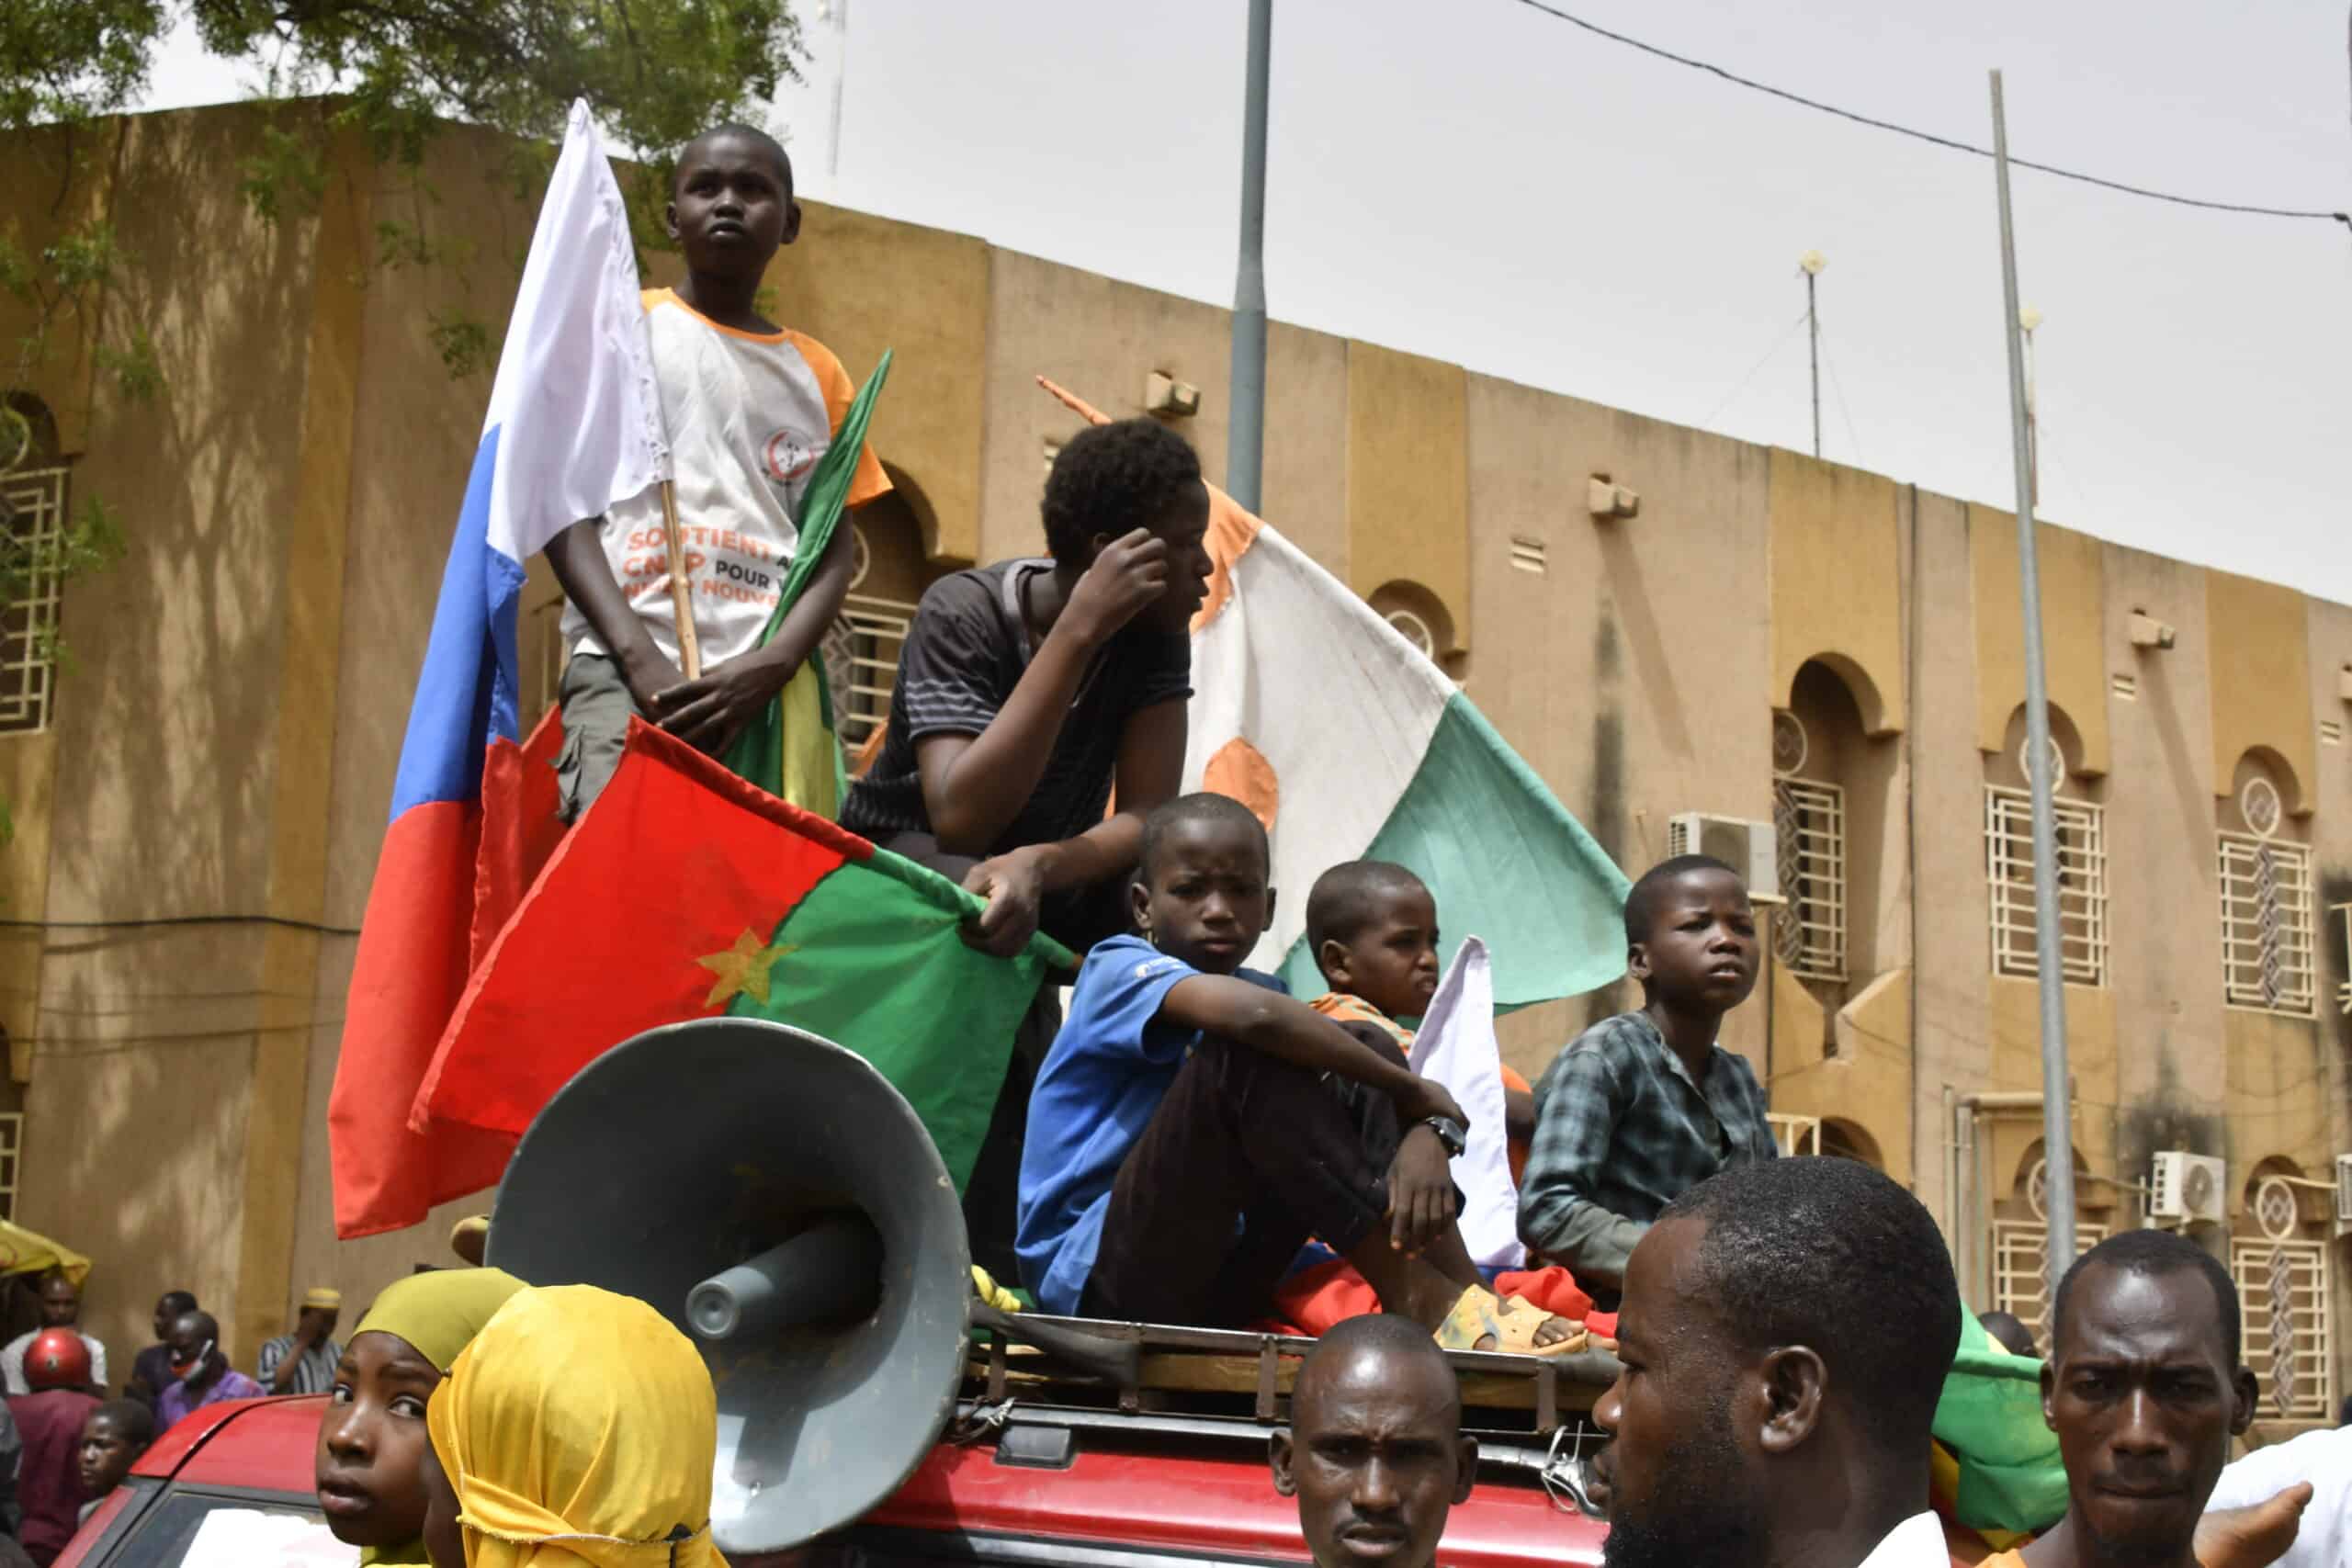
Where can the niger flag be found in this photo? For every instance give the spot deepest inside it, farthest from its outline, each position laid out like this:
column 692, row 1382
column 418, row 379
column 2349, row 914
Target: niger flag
column 687, row 892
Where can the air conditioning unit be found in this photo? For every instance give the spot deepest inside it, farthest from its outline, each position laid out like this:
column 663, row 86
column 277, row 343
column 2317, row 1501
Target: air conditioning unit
column 1751, row 849
column 2183, row 1187
column 2343, row 1191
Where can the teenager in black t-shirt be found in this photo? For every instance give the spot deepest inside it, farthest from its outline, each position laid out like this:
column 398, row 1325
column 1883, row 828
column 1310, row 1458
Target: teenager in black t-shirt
column 1028, row 688
column 1026, row 691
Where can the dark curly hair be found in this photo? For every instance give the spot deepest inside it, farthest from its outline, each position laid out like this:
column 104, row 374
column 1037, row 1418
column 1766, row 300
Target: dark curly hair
column 1112, row 479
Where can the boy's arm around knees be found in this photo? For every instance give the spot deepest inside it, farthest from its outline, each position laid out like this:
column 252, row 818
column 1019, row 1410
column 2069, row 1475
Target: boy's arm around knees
column 1288, row 1030
column 1576, row 1126
column 577, row 558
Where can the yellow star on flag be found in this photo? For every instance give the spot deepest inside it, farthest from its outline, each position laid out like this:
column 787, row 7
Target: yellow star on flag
column 743, row 969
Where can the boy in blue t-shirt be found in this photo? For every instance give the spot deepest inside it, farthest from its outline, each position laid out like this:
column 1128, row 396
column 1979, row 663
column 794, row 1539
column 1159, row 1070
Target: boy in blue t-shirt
column 1193, row 1124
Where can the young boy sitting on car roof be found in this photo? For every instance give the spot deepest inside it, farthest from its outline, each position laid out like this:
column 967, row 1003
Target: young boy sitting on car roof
column 1372, row 926
column 1642, row 1107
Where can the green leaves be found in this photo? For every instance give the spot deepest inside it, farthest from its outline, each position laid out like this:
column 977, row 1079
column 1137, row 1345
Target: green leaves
column 63, row 61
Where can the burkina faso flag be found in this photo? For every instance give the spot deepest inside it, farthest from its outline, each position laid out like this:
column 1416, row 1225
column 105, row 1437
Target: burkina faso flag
column 685, row 893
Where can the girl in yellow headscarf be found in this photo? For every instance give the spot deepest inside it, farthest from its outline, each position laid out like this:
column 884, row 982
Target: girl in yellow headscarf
column 372, row 1440
column 578, row 1428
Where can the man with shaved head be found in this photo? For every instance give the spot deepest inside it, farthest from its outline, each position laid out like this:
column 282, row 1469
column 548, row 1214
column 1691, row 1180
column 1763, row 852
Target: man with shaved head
column 1375, row 1452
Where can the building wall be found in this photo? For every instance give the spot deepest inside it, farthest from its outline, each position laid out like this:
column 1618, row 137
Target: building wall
column 224, row 740
column 2160, row 850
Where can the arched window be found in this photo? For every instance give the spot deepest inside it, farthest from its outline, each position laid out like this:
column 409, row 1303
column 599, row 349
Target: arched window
column 2081, row 824
column 2279, row 1256
column 2269, row 914
column 1834, row 785
column 2020, row 1241
column 890, row 569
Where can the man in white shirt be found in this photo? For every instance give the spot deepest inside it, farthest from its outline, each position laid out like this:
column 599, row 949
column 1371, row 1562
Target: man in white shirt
column 1786, row 1331
column 2319, row 1462
column 61, row 1307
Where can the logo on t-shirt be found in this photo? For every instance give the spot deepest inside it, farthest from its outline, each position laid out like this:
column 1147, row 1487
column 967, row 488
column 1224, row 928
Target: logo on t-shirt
column 787, row 458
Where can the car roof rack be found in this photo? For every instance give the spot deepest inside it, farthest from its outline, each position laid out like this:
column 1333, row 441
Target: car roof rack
column 1118, row 1383
column 1149, row 1368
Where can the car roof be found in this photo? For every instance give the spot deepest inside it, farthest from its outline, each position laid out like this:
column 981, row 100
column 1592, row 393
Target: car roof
column 1219, row 1502
column 1195, row 1504
column 264, row 1443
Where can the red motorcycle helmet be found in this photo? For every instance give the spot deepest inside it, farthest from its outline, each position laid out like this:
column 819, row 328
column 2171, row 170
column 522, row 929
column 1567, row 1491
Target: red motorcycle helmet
column 56, row 1359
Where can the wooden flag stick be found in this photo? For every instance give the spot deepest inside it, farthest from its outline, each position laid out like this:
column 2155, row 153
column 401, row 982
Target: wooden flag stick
column 682, row 601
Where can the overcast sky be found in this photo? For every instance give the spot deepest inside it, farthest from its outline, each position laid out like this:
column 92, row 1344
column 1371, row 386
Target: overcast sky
column 1478, row 182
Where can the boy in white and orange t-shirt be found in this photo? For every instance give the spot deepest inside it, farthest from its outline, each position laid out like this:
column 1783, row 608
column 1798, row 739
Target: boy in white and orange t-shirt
column 749, row 408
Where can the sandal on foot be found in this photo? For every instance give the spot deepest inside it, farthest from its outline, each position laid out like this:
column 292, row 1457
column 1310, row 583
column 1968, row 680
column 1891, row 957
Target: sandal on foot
column 1512, row 1323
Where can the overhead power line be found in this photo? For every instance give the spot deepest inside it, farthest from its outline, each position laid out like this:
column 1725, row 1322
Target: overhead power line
column 1929, row 137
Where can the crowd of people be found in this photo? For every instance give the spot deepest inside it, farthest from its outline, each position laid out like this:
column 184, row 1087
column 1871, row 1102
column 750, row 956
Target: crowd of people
column 65, row 1444
column 1784, row 1332
column 1175, row 1146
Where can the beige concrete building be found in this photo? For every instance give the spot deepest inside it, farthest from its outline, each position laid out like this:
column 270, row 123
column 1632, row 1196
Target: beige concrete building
column 199, row 793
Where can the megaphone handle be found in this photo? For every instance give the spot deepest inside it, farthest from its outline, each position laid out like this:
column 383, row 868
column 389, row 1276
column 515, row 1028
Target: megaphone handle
column 1118, row 1363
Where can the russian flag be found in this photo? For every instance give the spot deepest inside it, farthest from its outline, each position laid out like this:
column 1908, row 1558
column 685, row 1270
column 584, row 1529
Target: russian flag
column 575, row 425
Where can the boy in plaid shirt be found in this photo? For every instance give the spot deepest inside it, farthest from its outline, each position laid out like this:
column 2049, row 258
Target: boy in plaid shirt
column 1642, row 1107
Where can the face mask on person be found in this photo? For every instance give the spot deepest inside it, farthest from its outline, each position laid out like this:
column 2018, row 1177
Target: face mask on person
column 189, row 1368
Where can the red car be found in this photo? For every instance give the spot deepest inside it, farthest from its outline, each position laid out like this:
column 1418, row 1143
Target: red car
column 1021, row 1483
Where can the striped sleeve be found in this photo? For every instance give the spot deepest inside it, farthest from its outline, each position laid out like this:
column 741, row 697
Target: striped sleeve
column 950, row 670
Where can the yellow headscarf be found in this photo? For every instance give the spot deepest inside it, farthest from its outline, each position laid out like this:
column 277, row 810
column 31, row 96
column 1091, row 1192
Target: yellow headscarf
column 439, row 1311
column 436, row 1313
column 580, row 1426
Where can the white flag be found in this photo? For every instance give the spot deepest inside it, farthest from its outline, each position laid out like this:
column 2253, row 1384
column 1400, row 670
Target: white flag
column 1455, row 1046
column 574, row 414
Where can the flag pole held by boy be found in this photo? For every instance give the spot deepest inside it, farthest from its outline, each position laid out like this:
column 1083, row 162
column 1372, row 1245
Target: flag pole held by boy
column 680, row 595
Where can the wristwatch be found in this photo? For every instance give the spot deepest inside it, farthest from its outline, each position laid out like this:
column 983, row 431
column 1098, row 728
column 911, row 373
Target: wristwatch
column 1450, row 1132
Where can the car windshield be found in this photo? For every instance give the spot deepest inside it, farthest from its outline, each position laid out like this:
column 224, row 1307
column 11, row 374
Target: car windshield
column 209, row 1529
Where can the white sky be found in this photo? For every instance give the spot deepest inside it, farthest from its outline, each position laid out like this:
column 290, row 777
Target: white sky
column 1480, row 183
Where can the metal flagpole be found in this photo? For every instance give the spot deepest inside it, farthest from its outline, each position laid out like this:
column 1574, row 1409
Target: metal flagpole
column 2057, row 1118
column 2028, row 319
column 1245, row 438
column 1811, row 263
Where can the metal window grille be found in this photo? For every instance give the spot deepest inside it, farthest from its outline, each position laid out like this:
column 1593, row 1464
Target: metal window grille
column 2268, row 925
column 2289, row 1324
column 12, row 1141
column 1795, row 1135
column 547, row 653
column 861, row 664
column 1810, row 842
column 33, row 505
column 2082, row 884
column 2343, row 987
column 2021, row 1282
